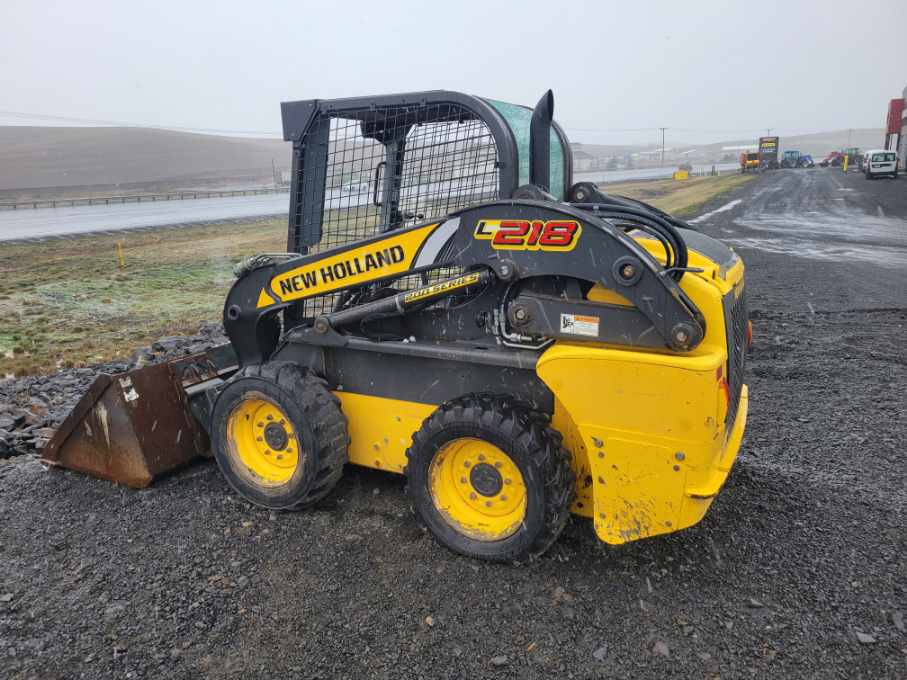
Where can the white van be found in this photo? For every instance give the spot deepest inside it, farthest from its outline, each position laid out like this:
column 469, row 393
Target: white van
column 880, row 162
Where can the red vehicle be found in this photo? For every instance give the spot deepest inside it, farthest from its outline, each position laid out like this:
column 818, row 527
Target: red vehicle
column 834, row 159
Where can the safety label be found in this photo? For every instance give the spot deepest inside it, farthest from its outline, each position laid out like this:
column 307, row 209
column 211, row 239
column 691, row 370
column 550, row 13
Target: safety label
column 579, row 324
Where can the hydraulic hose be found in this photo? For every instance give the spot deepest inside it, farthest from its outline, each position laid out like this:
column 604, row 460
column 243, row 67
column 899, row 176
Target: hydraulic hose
column 676, row 249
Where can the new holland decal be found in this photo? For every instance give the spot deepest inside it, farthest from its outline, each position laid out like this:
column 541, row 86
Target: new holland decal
column 554, row 235
column 379, row 259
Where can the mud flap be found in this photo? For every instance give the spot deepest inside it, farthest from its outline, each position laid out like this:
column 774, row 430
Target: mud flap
column 132, row 427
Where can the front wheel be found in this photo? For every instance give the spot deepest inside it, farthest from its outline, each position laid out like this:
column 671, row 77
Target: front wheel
column 279, row 436
column 490, row 479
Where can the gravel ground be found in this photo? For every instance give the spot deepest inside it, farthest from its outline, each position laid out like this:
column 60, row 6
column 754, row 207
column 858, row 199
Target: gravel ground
column 797, row 571
column 32, row 407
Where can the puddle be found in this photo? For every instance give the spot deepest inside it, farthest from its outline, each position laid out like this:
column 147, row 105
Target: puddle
column 727, row 206
column 883, row 256
column 845, row 225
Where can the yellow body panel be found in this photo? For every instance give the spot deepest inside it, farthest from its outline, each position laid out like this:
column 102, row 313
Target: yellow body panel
column 650, row 449
column 381, row 429
column 645, row 427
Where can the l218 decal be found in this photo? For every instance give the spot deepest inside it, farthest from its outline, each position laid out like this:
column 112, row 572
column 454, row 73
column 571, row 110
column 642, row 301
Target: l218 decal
column 554, row 235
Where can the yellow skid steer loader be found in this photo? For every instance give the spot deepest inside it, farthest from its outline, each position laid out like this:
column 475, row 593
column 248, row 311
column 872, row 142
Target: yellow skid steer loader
column 453, row 308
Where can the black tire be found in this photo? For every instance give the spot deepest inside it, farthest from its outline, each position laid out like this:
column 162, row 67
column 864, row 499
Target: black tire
column 313, row 412
column 524, row 436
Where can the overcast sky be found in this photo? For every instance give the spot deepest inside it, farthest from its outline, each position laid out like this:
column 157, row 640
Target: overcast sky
column 708, row 70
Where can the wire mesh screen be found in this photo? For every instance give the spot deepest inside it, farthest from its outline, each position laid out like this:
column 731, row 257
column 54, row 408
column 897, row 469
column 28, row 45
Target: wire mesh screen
column 386, row 168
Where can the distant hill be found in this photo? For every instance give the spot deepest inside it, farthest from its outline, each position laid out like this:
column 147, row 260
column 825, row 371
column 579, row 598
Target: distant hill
column 817, row 143
column 40, row 157
column 88, row 160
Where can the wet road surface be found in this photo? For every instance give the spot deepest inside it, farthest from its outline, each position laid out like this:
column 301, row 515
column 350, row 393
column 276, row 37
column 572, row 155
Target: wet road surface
column 81, row 219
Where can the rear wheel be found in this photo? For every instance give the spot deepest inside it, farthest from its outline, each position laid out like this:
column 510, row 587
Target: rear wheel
column 279, row 436
column 489, row 479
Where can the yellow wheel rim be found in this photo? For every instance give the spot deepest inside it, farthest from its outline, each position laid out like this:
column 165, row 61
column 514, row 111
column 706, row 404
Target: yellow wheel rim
column 260, row 435
column 478, row 489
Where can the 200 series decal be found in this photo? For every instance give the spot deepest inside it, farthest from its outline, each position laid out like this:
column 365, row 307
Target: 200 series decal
column 554, row 235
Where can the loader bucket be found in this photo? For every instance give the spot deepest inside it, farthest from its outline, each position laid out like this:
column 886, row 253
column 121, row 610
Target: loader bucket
column 132, row 427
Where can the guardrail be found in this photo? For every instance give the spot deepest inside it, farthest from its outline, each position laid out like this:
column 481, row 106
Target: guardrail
column 135, row 198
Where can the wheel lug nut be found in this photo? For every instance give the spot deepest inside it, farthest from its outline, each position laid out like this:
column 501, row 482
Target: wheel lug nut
column 270, row 417
column 507, row 481
column 462, row 480
column 503, row 498
column 488, row 503
column 261, row 439
column 466, row 464
column 279, row 456
column 261, row 424
column 472, row 496
column 497, row 464
column 481, row 456
column 283, row 422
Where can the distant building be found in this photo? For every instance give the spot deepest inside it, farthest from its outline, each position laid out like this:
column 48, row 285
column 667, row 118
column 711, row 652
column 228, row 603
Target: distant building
column 902, row 152
column 582, row 161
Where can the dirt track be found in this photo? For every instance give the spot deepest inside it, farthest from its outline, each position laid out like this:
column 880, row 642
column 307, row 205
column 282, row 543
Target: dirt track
column 797, row 571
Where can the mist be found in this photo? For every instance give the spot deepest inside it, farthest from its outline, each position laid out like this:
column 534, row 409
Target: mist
column 707, row 70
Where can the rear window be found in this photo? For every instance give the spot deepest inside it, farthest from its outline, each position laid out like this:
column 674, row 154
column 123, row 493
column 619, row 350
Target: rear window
column 882, row 157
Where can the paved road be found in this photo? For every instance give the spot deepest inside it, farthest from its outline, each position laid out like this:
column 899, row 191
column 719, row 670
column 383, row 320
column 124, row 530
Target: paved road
column 646, row 173
column 44, row 222
column 838, row 237
column 798, row 570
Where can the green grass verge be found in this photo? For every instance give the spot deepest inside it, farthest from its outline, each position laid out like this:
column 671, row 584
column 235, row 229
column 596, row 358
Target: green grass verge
column 681, row 198
column 67, row 302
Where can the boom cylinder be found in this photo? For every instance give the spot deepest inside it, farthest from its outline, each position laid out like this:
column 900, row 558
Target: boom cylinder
column 404, row 301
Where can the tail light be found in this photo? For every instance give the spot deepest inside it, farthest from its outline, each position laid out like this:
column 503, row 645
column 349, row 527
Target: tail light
column 749, row 335
column 723, row 386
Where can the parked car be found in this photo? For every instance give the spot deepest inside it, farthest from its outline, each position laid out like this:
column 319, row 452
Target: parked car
column 880, row 162
column 806, row 161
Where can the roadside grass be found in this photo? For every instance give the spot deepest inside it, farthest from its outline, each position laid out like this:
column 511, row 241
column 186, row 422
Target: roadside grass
column 66, row 302
column 681, row 198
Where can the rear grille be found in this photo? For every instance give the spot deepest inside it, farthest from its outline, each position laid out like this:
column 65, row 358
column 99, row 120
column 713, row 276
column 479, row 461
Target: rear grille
column 735, row 319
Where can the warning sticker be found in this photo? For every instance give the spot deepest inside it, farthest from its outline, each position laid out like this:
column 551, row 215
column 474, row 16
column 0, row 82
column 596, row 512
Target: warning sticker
column 578, row 324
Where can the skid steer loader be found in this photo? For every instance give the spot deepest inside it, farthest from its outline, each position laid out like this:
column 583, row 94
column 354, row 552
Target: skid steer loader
column 453, row 308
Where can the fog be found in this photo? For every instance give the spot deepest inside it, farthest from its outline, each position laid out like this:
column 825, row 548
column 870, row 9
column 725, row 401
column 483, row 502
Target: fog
column 706, row 70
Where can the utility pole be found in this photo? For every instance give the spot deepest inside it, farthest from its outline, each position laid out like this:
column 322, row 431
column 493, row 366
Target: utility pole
column 662, row 146
column 768, row 132
column 849, row 134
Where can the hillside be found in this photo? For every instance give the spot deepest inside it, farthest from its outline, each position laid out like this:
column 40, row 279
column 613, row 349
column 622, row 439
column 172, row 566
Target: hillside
column 88, row 160
column 38, row 157
column 817, row 143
